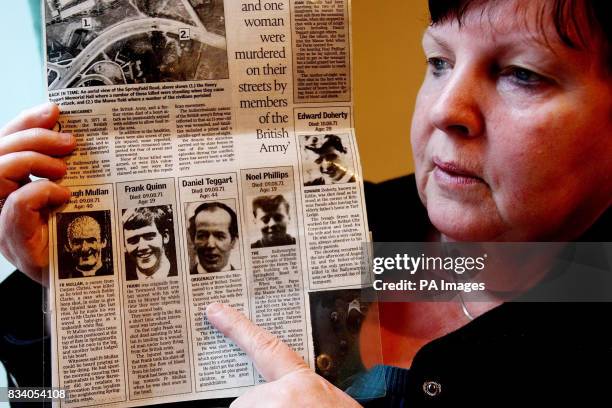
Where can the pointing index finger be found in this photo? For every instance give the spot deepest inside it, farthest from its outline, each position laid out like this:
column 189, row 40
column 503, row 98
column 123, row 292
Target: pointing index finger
column 272, row 358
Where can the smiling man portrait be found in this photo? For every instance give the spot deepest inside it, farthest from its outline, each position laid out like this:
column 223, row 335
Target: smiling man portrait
column 149, row 249
column 85, row 243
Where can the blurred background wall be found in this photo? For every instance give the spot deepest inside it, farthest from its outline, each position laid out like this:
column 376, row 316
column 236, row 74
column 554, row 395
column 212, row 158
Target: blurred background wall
column 388, row 68
column 21, row 73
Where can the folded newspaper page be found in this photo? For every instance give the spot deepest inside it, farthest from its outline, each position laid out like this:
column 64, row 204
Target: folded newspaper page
column 216, row 161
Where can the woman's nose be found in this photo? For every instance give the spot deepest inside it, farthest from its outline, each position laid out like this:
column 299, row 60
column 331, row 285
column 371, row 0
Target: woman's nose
column 457, row 108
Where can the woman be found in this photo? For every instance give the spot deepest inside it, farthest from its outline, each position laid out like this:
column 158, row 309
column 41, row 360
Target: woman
column 512, row 142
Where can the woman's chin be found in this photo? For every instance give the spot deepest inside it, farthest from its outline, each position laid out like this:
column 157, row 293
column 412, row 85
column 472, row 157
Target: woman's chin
column 457, row 223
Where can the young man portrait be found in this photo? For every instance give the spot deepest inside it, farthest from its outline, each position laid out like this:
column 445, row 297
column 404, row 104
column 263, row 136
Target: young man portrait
column 331, row 159
column 271, row 217
column 149, row 248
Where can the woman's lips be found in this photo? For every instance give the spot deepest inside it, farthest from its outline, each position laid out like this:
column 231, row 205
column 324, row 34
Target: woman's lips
column 450, row 173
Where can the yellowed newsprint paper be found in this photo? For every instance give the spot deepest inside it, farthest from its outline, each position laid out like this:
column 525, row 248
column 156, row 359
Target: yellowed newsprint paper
column 216, row 161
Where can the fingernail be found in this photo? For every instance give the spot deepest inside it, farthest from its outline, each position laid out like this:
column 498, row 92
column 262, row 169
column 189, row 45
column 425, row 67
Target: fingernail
column 67, row 138
column 214, row 308
column 46, row 109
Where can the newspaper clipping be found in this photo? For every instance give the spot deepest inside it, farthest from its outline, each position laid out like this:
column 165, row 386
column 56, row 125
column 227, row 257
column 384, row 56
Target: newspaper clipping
column 216, row 161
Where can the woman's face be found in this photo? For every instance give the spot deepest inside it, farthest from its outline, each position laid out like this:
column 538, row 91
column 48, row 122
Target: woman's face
column 512, row 131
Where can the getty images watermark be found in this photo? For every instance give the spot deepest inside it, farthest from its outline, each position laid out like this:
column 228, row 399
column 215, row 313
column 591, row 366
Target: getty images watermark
column 406, row 263
column 521, row 271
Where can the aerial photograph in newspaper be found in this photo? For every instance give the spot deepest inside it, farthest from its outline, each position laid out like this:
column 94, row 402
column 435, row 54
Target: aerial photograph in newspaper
column 113, row 42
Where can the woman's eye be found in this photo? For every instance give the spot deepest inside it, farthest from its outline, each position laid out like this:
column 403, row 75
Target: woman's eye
column 523, row 76
column 438, row 65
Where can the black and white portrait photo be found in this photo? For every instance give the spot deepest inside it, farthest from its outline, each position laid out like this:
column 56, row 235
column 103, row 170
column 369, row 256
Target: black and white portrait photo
column 326, row 159
column 212, row 236
column 272, row 221
column 115, row 42
column 84, row 244
column 149, row 243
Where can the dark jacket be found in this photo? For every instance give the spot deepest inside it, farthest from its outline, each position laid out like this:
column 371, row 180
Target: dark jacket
column 72, row 273
column 286, row 240
column 518, row 354
column 131, row 273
